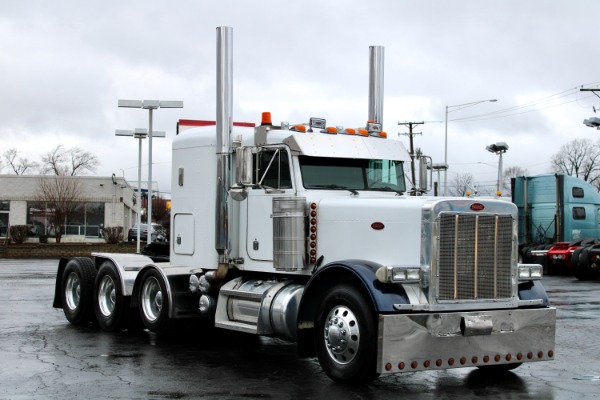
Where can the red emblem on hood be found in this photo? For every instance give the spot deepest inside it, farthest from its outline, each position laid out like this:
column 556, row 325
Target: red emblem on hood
column 477, row 207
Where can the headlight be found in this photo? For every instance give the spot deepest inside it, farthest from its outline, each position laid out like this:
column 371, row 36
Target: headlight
column 388, row 274
column 528, row 272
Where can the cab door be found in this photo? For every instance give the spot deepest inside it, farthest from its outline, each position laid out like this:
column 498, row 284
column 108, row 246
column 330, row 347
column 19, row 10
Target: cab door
column 273, row 179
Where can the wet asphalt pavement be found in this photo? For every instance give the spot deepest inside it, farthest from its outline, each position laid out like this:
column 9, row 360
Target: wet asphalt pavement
column 43, row 357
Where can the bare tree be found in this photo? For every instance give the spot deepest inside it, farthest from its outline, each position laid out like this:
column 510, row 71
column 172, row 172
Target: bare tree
column 580, row 158
column 19, row 165
column 61, row 197
column 73, row 161
column 461, row 184
column 512, row 172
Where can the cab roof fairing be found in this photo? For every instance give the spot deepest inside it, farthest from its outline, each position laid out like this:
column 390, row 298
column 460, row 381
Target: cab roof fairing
column 346, row 146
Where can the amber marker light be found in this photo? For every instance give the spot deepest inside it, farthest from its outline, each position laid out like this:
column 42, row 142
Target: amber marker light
column 300, row 128
column 350, row 131
column 363, row 132
column 266, row 118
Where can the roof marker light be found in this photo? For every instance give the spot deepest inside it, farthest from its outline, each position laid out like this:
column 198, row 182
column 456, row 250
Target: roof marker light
column 332, row 130
column 298, row 128
column 266, row 118
column 363, row 132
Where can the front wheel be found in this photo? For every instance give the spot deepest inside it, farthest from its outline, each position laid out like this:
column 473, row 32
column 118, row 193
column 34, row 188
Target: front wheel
column 154, row 302
column 77, row 290
column 499, row 367
column 345, row 335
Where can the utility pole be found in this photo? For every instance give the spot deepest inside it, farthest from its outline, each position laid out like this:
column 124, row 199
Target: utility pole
column 410, row 135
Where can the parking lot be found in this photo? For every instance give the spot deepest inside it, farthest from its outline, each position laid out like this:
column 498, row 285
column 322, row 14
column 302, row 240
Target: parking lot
column 45, row 357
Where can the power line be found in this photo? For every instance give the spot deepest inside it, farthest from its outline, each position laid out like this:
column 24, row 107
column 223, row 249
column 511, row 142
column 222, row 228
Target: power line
column 511, row 111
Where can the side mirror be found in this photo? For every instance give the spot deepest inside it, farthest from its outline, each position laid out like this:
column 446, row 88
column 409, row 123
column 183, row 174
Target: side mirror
column 243, row 166
column 423, row 174
column 243, row 173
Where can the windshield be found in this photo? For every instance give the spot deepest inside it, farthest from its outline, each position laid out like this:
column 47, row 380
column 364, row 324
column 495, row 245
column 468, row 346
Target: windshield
column 352, row 174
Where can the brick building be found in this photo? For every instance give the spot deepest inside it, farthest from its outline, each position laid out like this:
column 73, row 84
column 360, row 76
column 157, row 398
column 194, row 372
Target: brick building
column 103, row 201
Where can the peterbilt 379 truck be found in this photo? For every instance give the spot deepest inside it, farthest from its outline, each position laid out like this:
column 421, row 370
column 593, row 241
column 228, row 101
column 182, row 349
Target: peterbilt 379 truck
column 304, row 232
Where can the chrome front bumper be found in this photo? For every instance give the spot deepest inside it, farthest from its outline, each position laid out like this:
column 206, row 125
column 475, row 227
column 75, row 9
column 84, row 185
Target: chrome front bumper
column 414, row 342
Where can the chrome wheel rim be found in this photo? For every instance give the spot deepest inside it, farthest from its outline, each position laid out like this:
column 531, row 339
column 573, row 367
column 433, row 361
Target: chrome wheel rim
column 151, row 299
column 73, row 291
column 342, row 335
column 107, row 295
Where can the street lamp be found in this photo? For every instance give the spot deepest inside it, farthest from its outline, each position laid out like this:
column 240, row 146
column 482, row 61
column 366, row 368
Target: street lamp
column 592, row 122
column 450, row 109
column 437, row 167
column 498, row 148
column 150, row 105
column 139, row 133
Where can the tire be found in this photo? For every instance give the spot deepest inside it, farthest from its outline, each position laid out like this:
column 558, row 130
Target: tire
column 584, row 264
column 575, row 263
column 110, row 306
column 345, row 313
column 499, row 368
column 154, row 302
column 77, row 290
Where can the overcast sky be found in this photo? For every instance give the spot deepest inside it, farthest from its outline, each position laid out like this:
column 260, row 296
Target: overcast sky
column 65, row 63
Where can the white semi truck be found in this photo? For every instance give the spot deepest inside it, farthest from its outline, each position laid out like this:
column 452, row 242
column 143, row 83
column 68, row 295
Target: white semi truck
column 305, row 232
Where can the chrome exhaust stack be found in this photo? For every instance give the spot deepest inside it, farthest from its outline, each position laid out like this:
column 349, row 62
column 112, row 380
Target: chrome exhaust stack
column 224, row 128
column 376, row 56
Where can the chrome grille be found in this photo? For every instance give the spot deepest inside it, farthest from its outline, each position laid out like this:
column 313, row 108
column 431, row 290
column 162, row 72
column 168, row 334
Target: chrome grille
column 474, row 258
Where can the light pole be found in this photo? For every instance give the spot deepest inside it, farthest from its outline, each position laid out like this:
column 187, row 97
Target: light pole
column 498, row 148
column 437, row 167
column 450, row 109
column 150, row 105
column 139, row 133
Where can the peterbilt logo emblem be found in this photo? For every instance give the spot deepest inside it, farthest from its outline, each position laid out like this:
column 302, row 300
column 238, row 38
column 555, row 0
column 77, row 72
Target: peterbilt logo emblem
column 477, row 207
column 377, row 226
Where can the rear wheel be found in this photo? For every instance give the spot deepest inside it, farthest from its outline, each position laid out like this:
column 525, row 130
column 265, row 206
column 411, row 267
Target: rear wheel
column 110, row 305
column 345, row 335
column 154, row 302
column 583, row 265
column 77, row 290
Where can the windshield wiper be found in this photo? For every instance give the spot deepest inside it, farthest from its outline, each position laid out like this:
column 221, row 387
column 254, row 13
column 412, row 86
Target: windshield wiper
column 335, row 187
column 386, row 189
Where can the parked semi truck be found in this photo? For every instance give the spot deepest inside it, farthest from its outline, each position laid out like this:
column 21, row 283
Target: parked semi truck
column 559, row 215
column 304, row 232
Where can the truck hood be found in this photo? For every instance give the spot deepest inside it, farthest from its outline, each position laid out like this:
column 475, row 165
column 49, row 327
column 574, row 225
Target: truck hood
column 383, row 230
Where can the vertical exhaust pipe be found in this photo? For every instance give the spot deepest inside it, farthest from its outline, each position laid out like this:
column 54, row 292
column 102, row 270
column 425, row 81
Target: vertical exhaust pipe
column 376, row 83
column 224, row 128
